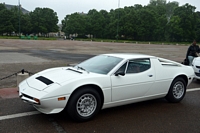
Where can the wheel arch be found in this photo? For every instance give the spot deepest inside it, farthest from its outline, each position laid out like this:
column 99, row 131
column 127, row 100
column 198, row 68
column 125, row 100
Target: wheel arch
column 171, row 95
column 96, row 87
column 184, row 77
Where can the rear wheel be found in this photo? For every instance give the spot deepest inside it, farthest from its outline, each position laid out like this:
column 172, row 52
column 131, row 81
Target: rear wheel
column 177, row 90
column 84, row 104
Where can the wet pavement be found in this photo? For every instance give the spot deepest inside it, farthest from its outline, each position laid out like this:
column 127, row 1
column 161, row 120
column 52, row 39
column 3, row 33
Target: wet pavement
column 154, row 116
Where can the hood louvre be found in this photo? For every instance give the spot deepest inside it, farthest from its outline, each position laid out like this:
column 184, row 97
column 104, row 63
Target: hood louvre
column 44, row 80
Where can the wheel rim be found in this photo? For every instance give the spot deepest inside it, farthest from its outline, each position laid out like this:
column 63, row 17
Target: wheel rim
column 86, row 105
column 178, row 90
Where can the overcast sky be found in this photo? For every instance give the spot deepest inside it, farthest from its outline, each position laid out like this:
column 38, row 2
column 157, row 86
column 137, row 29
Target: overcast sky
column 64, row 7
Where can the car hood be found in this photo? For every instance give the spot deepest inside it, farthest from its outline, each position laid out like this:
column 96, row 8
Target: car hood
column 196, row 61
column 42, row 80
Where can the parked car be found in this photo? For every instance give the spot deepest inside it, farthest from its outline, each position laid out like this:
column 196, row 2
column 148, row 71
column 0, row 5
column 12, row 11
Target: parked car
column 105, row 81
column 196, row 67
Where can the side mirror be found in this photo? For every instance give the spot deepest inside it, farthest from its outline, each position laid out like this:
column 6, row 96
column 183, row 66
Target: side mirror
column 119, row 73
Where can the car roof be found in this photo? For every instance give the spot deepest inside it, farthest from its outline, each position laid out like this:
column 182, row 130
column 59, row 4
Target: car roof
column 130, row 55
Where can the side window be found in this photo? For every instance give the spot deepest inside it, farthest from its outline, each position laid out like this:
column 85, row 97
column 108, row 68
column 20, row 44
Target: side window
column 122, row 68
column 138, row 65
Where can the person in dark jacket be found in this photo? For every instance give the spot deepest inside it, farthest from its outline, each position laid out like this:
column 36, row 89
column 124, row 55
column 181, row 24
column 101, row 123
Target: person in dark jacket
column 192, row 52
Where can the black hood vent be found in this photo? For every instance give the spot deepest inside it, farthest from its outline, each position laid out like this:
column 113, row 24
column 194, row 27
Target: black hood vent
column 44, row 80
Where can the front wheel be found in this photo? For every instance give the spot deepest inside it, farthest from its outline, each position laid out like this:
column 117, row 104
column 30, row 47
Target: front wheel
column 177, row 90
column 84, row 104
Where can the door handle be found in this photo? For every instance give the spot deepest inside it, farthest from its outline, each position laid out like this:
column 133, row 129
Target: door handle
column 150, row 75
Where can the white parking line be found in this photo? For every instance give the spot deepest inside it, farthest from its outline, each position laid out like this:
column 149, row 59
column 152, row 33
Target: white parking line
column 19, row 115
column 194, row 89
column 37, row 112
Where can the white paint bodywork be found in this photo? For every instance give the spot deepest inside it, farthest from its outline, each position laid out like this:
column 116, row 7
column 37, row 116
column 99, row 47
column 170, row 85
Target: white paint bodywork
column 196, row 67
column 117, row 90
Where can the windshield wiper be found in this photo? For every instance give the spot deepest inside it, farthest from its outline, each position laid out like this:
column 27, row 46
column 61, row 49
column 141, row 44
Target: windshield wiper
column 78, row 67
column 81, row 68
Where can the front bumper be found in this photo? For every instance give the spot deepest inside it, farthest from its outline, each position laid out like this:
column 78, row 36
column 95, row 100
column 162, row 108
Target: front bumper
column 46, row 105
column 197, row 75
column 197, row 72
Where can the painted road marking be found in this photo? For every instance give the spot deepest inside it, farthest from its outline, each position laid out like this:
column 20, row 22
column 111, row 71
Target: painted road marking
column 37, row 112
column 194, row 89
column 19, row 115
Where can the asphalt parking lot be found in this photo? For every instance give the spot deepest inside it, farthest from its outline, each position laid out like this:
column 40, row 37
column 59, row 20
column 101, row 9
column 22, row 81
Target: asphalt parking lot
column 151, row 116
column 36, row 55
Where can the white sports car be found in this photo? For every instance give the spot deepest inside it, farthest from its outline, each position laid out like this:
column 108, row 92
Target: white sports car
column 196, row 67
column 105, row 81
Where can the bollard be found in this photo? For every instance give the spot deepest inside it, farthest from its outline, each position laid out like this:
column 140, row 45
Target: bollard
column 21, row 77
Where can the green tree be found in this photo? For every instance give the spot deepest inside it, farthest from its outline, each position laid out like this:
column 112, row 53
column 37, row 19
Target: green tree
column 164, row 11
column 51, row 20
column 6, row 22
column 197, row 30
column 158, row 21
column 2, row 7
column 104, row 23
column 170, row 7
column 95, row 19
column 15, row 18
column 113, row 30
column 26, row 25
column 44, row 20
column 175, row 31
column 75, row 24
column 188, row 21
column 146, row 24
column 37, row 21
column 128, row 23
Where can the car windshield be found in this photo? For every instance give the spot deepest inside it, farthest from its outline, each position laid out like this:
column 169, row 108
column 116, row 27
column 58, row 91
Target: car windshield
column 101, row 64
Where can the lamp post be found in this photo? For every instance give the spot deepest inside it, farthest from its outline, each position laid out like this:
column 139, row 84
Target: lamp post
column 19, row 17
column 118, row 21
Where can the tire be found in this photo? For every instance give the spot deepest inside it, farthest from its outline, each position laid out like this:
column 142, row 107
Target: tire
column 177, row 91
column 84, row 104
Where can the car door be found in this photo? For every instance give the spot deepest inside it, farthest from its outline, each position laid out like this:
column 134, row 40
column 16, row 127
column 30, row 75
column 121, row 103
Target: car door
column 132, row 80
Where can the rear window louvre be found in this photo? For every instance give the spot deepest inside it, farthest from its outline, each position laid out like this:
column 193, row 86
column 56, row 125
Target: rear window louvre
column 44, row 80
column 166, row 62
column 169, row 65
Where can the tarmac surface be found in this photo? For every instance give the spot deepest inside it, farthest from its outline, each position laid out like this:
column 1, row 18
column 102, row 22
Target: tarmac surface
column 155, row 116
column 37, row 55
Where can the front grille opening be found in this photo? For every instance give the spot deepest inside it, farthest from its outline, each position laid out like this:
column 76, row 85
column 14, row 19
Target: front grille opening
column 29, row 97
column 198, row 67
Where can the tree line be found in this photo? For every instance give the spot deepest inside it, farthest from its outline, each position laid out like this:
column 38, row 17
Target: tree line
column 14, row 21
column 158, row 21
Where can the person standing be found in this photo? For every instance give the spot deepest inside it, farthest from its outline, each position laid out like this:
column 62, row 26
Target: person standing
column 192, row 52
